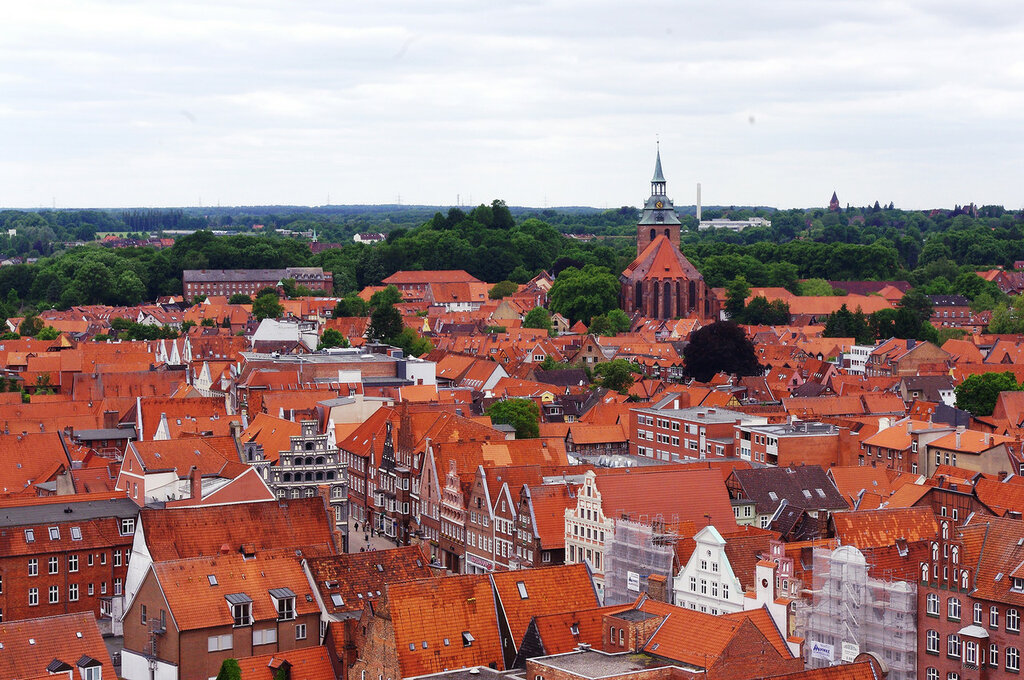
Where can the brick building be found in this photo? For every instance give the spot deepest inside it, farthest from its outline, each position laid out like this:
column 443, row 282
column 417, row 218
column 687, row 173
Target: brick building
column 189, row 615
column 970, row 599
column 66, row 555
column 230, row 282
column 796, row 443
column 675, row 434
column 661, row 283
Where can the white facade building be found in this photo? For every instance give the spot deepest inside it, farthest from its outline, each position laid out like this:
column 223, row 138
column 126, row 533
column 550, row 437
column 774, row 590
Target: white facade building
column 707, row 583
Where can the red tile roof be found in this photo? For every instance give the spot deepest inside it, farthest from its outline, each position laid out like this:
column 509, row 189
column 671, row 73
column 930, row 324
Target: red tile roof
column 526, row 593
column 676, row 495
column 357, row 578
column 197, row 602
column 30, row 645
column 309, row 663
column 432, row 617
column 174, row 533
column 880, row 528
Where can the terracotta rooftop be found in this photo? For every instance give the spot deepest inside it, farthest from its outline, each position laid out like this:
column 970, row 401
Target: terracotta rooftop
column 190, row 532
column 30, row 645
column 346, row 582
column 526, row 593
column 880, row 528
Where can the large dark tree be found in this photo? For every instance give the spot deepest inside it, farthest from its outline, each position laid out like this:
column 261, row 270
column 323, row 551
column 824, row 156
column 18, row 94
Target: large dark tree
column 721, row 347
column 979, row 392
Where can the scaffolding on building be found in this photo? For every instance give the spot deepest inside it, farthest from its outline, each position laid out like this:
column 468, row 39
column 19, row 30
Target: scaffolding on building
column 850, row 612
column 638, row 549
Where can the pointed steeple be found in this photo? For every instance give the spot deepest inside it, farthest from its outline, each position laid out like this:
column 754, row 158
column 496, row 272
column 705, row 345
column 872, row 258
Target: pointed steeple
column 659, row 176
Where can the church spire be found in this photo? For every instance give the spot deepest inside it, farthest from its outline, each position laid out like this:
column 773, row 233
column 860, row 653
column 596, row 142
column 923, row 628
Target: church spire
column 659, row 177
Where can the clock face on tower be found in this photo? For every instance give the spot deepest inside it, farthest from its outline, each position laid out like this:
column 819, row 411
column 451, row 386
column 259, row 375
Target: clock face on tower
column 659, row 204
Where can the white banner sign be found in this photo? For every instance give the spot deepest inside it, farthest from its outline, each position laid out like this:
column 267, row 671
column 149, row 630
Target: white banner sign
column 633, row 581
column 819, row 650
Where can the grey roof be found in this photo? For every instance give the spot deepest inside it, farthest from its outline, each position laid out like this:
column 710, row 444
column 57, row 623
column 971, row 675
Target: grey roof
column 281, row 593
column 658, row 175
column 949, row 300
column 805, row 486
column 704, row 414
column 68, row 513
column 106, row 433
column 238, row 598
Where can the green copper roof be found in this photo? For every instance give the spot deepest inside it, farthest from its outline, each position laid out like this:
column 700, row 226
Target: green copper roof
column 658, row 176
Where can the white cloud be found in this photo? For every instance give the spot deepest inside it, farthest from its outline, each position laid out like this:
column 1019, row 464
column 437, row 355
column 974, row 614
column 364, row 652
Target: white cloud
column 158, row 103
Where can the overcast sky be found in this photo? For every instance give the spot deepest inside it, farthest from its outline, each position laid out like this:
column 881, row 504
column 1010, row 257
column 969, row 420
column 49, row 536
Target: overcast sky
column 765, row 102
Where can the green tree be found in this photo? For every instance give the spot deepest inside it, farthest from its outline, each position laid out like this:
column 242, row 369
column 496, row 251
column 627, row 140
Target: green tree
column 616, row 375
column 538, row 317
column 618, row 320
column 736, row 298
column 43, row 384
column 411, row 342
column 267, row 306
column 389, row 295
column 332, row 338
column 240, row 299
column 385, row 323
column 978, row 393
column 719, row 347
column 351, row 305
column 584, row 293
column 600, row 325
column 30, row 326
column 48, row 333
column 521, row 414
column 230, row 670
column 816, row 287
column 502, row 289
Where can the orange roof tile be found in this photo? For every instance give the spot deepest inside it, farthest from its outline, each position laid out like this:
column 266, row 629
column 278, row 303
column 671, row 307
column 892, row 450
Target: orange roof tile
column 526, row 593
column 30, row 645
column 346, row 582
column 428, row 612
column 175, row 533
column 309, row 663
column 881, row 528
column 197, row 602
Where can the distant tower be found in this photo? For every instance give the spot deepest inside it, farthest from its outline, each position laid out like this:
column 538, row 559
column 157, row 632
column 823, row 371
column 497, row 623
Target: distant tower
column 698, row 202
column 659, row 215
column 833, row 205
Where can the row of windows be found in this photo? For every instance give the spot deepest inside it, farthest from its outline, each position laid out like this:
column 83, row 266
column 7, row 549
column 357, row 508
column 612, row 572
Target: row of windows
column 53, row 563
column 971, row 653
column 953, row 613
column 53, row 592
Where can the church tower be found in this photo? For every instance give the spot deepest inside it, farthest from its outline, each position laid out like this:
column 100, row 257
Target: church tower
column 661, row 283
column 659, row 215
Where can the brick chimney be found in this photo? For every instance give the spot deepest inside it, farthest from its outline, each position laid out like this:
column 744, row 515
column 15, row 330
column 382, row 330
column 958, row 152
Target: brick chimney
column 195, row 483
column 657, row 588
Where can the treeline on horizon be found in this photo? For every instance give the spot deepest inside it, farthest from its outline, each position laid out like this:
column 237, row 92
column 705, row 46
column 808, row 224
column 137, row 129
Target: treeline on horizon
column 931, row 249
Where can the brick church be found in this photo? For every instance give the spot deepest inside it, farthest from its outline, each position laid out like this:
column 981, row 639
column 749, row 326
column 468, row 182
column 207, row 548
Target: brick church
column 661, row 283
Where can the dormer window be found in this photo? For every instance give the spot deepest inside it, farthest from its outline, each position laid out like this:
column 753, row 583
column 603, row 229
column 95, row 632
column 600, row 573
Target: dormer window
column 467, row 639
column 284, row 599
column 241, row 608
column 1018, row 585
column 127, row 526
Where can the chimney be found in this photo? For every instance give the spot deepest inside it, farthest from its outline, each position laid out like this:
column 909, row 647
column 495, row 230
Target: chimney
column 657, row 588
column 195, row 483
column 957, row 438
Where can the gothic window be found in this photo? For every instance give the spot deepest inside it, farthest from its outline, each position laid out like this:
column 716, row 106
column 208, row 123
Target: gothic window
column 653, row 234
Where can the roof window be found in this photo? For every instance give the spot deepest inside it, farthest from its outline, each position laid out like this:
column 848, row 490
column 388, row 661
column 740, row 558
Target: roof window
column 467, row 639
column 30, row 535
column 54, row 533
column 337, row 600
column 521, row 585
column 76, row 533
column 212, row 579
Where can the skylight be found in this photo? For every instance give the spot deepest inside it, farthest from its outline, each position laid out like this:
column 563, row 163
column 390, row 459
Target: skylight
column 212, row 578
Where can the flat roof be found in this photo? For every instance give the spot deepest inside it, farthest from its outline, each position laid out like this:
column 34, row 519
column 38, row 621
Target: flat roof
column 707, row 414
column 801, row 429
column 590, row 663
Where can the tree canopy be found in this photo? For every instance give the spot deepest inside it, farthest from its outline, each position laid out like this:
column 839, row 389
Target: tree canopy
column 721, row 347
column 978, row 393
column 581, row 294
column 521, row 414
